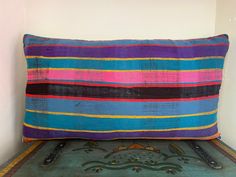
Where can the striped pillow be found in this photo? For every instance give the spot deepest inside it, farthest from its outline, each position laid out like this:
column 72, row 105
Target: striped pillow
column 154, row 89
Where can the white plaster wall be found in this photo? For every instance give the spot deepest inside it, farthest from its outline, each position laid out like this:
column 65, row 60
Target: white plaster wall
column 12, row 76
column 116, row 19
column 226, row 23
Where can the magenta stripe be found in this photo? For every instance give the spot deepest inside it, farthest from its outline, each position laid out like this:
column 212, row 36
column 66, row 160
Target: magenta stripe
column 128, row 77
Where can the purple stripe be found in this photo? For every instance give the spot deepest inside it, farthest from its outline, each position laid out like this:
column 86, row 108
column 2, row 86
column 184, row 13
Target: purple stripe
column 41, row 134
column 128, row 52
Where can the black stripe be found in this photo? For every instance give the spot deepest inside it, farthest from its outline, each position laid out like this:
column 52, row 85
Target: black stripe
column 118, row 92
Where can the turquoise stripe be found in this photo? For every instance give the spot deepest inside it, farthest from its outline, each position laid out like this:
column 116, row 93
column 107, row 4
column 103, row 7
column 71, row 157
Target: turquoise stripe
column 121, row 108
column 100, row 124
column 30, row 39
column 126, row 64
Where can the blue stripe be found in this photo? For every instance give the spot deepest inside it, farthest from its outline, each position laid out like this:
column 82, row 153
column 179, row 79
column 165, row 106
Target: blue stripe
column 126, row 64
column 83, row 123
column 121, row 108
column 31, row 39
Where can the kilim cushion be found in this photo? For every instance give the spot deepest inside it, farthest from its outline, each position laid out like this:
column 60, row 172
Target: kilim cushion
column 123, row 89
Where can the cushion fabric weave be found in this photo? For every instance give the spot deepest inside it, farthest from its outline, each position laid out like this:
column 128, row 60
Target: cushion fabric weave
column 154, row 89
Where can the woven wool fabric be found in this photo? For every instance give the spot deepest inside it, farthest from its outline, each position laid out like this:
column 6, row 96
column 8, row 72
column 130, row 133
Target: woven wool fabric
column 155, row 89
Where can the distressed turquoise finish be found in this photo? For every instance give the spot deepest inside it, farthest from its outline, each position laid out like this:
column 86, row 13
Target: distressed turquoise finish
column 125, row 158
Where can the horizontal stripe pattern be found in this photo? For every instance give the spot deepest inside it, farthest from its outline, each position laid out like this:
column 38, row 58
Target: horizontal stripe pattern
column 121, row 59
column 127, row 65
column 129, row 85
column 157, row 89
column 119, row 92
column 30, row 40
column 108, row 124
column 127, row 76
column 123, row 52
column 111, row 116
column 120, row 99
column 122, row 108
column 38, row 133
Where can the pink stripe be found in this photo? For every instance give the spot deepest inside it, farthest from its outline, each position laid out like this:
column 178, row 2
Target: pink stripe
column 128, row 77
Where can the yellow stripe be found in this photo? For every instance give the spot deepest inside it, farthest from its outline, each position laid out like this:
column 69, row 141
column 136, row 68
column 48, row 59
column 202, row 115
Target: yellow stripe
column 120, row 116
column 228, row 150
column 174, row 138
column 108, row 59
column 165, row 138
column 19, row 158
column 99, row 70
column 120, row 131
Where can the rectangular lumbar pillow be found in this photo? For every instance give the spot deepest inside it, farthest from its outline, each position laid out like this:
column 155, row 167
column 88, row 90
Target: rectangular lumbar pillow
column 154, row 89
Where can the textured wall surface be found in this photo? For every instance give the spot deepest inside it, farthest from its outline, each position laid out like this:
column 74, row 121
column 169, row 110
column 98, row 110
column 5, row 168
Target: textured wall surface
column 12, row 76
column 117, row 19
column 226, row 23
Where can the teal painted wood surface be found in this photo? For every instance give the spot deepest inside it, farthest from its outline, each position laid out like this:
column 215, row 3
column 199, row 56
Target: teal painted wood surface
column 121, row 158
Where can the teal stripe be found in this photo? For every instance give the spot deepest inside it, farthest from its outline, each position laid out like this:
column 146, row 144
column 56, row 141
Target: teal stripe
column 31, row 39
column 104, row 124
column 127, row 64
